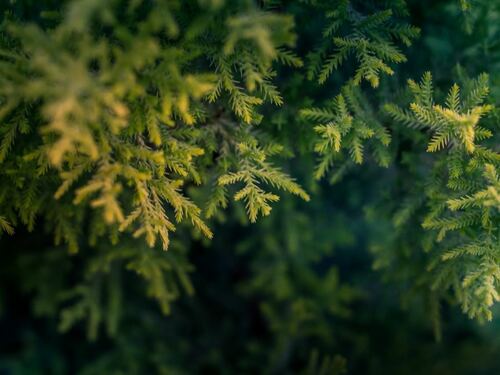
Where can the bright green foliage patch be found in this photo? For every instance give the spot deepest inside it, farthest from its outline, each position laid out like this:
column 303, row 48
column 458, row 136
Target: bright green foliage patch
column 348, row 123
column 461, row 191
column 123, row 131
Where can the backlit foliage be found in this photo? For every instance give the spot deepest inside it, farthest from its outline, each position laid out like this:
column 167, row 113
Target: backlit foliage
column 121, row 132
column 178, row 150
column 461, row 191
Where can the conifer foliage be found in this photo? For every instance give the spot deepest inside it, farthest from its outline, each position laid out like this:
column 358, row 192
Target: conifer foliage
column 110, row 110
column 138, row 136
column 462, row 190
column 122, row 131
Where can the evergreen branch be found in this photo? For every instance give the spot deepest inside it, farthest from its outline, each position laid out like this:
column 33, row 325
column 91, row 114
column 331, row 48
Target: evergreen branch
column 6, row 226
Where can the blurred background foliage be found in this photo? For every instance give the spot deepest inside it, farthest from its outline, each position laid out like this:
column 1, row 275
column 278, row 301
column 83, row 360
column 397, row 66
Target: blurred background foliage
column 330, row 286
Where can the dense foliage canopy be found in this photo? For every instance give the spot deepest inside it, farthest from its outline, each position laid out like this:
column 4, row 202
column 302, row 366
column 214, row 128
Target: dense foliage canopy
column 242, row 186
